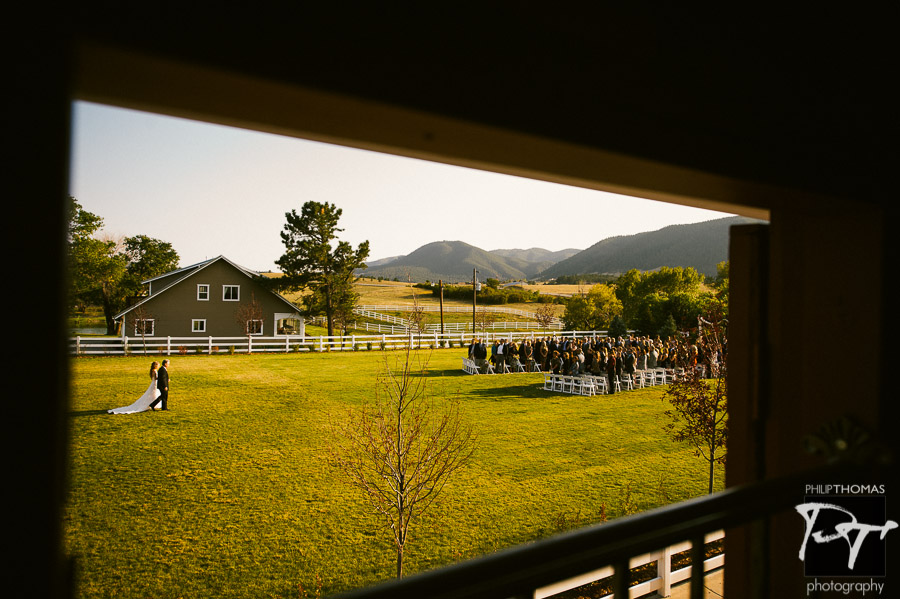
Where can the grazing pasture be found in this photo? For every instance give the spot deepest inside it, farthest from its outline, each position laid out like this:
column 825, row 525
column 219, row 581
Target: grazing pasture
column 230, row 493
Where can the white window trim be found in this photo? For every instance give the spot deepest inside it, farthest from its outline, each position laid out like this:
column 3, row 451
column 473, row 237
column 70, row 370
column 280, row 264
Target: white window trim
column 237, row 299
column 152, row 322
column 261, row 325
column 208, row 289
column 194, row 322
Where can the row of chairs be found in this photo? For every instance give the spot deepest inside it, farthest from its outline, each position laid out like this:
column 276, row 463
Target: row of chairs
column 588, row 384
column 470, row 367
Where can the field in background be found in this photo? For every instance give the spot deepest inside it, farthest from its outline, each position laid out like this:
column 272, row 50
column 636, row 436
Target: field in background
column 229, row 494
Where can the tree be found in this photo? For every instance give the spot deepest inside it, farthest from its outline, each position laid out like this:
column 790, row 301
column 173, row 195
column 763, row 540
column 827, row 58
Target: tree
column 401, row 448
column 593, row 310
column 617, row 327
column 141, row 316
column 95, row 266
column 634, row 287
column 109, row 271
column 484, row 319
column 249, row 315
column 579, row 313
column 310, row 262
column 545, row 315
column 606, row 305
column 147, row 257
column 699, row 413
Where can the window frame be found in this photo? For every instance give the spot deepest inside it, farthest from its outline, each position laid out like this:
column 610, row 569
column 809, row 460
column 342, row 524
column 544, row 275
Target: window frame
column 138, row 321
column 208, row 290
column 261, row 325
column 195, row 322
column 224, row 292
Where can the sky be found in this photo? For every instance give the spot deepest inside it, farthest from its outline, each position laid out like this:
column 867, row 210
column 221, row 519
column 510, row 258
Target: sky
column 212, row 190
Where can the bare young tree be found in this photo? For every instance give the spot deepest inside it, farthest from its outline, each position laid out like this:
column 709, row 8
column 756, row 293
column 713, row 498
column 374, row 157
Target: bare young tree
column 699, row 406
column 402, row 446
column 249, row 315
column 485, row 319
column 416, row 321
column 545, row 315
column 141, row 317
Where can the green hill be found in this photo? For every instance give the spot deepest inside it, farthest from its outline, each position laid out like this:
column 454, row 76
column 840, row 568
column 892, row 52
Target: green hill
column 699, row 245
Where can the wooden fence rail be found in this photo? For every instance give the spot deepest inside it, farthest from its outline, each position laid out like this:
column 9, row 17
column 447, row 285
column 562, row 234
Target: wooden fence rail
column 168, row 346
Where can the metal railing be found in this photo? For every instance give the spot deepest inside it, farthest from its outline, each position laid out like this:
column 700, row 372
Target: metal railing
column 522, row 571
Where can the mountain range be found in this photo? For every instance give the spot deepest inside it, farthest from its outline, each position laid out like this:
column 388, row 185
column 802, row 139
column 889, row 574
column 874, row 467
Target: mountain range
column 700, row 245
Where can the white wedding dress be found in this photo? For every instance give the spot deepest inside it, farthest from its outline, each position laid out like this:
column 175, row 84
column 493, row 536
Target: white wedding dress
column 143, row 402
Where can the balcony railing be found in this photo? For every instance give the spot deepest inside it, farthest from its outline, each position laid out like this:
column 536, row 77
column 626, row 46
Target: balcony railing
column 519, row 571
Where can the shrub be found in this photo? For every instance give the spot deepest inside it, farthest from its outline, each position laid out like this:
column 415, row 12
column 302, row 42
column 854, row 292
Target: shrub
column 368, row 345
column 182, row 350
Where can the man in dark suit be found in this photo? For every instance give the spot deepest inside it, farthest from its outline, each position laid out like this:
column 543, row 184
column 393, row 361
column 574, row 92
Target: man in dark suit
column 162, row 383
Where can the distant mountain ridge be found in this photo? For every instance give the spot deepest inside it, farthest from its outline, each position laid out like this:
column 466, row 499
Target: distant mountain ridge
column 453, row 261
column 700, row 245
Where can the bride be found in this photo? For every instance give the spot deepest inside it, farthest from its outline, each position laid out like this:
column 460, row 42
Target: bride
column 144, row 401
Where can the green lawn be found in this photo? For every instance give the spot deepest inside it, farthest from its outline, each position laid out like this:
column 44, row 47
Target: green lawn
column 229, row 495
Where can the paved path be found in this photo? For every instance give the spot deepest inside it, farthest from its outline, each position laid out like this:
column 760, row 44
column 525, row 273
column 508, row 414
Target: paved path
column 715, row 581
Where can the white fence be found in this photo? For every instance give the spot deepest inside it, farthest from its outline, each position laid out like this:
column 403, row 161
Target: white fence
column 404, row 323
column 662, row 583
column 112, row 346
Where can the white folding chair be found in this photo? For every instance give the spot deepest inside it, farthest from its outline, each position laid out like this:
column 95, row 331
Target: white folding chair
column 660, row 376
column 586, row 386
column 548, row 381
column 558, row 382
column 638, row 378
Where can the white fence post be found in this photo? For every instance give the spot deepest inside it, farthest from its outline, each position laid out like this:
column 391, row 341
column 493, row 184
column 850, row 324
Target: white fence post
column 321, row 347
column 664, row 571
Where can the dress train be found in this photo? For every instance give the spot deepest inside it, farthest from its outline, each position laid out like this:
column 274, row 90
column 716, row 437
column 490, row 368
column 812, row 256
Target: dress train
column 143, row 402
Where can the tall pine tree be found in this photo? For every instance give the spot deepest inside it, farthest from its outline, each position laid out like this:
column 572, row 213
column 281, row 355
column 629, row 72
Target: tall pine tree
column 311, row 263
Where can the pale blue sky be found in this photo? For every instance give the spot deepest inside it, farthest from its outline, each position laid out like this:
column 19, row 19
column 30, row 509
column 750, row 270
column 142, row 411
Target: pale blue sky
column 211, row 190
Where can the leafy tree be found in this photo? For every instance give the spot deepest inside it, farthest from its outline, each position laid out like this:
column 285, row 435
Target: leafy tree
column 310, row 262
column 147, row 258
column 668, row 328
column 579, row 313
column 106, row 271
column 617, row 327
column 592, row 311
column 402, row 448
column 606, row 305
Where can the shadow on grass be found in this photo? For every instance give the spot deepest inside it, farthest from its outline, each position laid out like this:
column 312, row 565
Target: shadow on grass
column 92, row 413
column 80, row 413
column 533, row 390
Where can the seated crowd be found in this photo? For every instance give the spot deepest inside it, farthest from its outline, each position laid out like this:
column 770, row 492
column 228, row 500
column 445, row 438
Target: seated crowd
column 598, row 356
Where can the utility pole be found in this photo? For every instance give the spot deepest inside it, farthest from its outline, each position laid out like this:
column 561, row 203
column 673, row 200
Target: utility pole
column 441, row 290
column 473, row 300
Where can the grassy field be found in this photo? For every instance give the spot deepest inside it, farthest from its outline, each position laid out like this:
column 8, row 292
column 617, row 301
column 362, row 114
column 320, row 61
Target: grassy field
column 229, row 493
